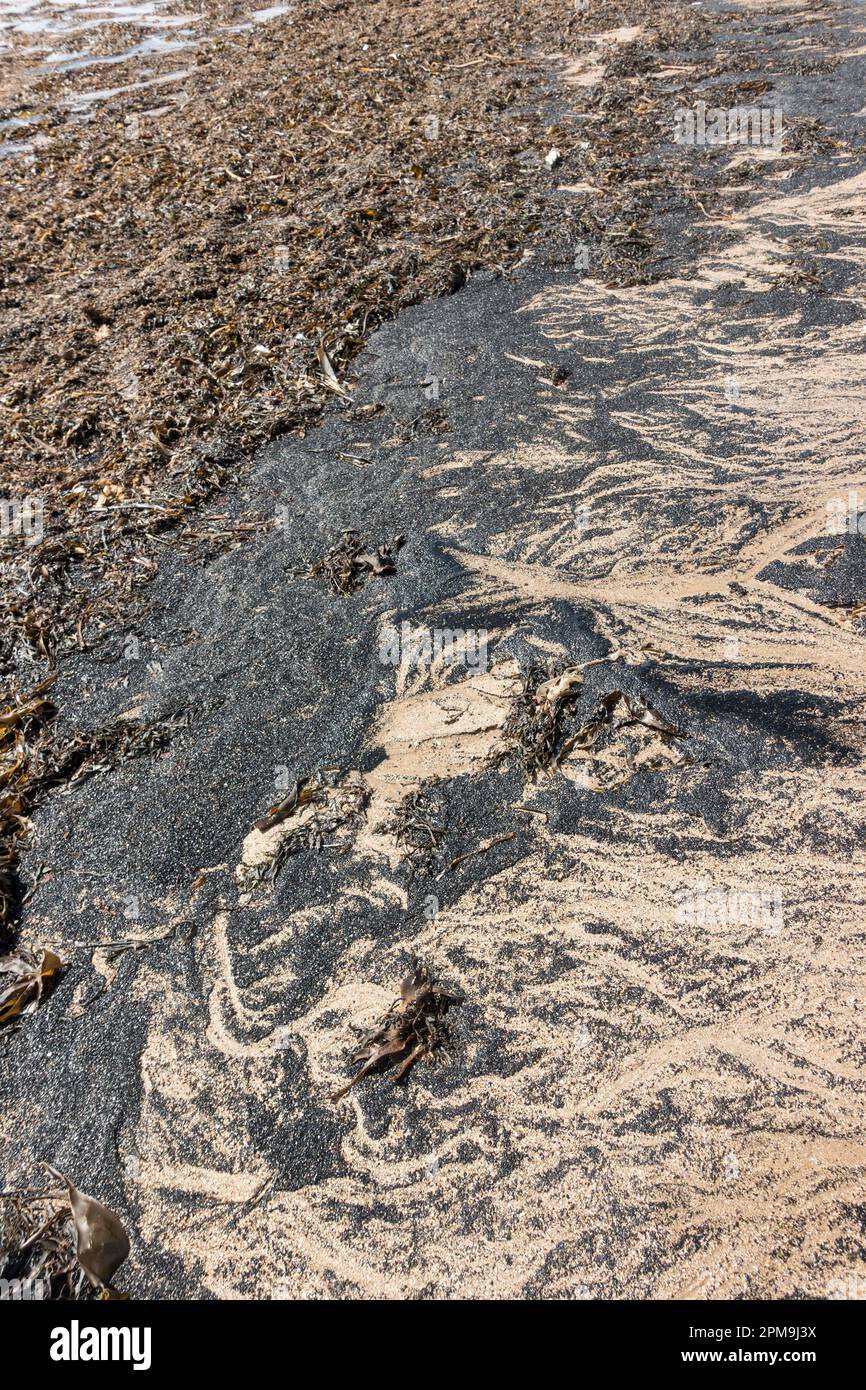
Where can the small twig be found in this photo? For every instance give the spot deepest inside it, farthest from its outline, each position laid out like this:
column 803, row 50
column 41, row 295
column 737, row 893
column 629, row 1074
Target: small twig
column 482, row 849
column 32, row 1194
column 37, row 1235
column 261, row 1193
column 333, row 129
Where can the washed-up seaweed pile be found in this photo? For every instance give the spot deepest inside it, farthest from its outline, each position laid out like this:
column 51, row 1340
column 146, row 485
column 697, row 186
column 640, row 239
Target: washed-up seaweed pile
column 412, row 1030
column 418, row 825
column 543, row 728
column 181, row 283
column 178, row 288
column 347, row 563
column 337, row 805
column 174, row 299
column 59, row 1245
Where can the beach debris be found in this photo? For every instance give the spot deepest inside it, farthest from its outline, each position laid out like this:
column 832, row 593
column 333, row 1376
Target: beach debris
column 8, row 876
column 418, row 825
column 34, row 760
column 60, row 1245
column 21, row 726
column 348, row 563
column 101, row 1241
column 413, row 1028
column 553, row 158
column 101, row 750
column 479, row 849
column 330, row 806
column 853, row 618
column 344, row 807
column 305, row 790
column 329, row 376
column 37, row 1248
column 534, row 730
column 616, row 711
column 34, row 707
column 23, row 981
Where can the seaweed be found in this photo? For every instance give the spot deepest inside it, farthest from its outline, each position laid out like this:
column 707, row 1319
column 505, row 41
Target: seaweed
column 28, row 979
column 418, row 825
column 347, row 563
column 60, row 1246
column 414, row 1028
column 537, row 732
column 336, row 806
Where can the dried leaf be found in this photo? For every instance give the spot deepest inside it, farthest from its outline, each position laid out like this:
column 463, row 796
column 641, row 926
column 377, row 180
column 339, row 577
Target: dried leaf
column 327, row 369
column 101, row 1242
column 28, row 980
column 557, row 688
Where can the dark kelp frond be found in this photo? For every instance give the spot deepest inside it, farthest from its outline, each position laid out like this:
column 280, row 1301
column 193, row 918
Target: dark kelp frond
column 23, row 981
column 413, row 1028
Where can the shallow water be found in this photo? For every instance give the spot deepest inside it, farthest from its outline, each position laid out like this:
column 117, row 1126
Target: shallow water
column 42, row 22
column 67, row 39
